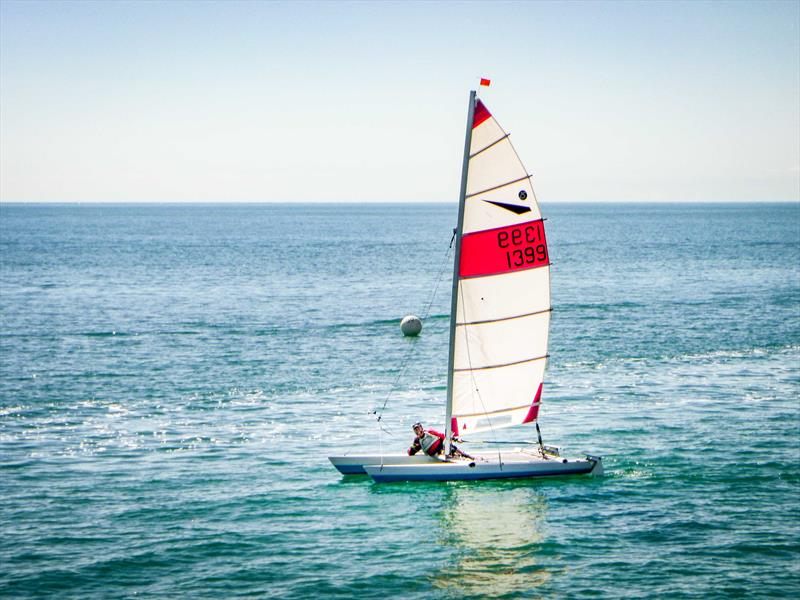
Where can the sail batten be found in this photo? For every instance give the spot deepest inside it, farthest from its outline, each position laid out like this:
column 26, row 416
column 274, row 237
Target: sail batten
column 497, row 187
column 530, row 314
column 497, row 141
column 511, row 364
column 511, row 409
column 501, row 305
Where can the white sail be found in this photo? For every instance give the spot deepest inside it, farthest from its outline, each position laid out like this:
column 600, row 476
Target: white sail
column 502, row 304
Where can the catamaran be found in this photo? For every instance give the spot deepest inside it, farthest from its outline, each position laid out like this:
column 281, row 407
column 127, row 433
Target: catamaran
column 499, row 323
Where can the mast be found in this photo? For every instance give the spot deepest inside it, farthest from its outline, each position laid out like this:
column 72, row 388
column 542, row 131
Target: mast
column 456, row 260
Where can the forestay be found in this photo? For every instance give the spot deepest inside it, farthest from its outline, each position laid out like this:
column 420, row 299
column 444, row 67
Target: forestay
column 502, row 307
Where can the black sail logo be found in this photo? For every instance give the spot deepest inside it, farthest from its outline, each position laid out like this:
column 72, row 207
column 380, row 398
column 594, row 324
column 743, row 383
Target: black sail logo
column 515, row 208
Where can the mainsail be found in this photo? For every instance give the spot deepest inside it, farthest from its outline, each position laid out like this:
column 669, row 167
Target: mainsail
column 501, row 288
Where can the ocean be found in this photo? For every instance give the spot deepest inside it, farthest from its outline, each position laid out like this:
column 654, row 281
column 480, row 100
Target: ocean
column 173, row 378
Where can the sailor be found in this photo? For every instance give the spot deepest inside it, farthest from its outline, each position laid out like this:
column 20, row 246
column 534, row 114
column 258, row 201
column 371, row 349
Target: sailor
column 431, row 442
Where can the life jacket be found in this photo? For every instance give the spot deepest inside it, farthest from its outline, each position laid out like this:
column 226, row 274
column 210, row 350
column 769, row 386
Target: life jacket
column 428, row 441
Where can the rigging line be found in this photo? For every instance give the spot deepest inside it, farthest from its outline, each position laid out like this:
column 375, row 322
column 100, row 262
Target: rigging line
column 381, row 427
column 439, row 276
column 412, row 347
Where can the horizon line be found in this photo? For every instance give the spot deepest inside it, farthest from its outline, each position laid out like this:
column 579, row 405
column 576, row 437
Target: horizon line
column 379, row 202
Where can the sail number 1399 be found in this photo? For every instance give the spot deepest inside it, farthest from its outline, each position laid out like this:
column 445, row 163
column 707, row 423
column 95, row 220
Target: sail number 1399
column 523, row 246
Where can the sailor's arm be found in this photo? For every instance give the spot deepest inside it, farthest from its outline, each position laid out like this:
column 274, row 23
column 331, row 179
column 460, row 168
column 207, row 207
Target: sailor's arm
column 415, row 447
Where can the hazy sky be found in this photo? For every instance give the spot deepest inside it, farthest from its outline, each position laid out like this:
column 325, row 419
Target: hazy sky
column 366, row 101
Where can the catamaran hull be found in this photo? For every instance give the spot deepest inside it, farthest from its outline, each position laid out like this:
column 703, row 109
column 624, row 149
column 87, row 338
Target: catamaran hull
column 354, row 464
column 476, row 470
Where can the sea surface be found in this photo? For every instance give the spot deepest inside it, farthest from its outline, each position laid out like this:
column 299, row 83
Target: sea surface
column 173, row 378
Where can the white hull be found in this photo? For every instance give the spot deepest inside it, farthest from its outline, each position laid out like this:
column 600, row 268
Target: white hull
column 487, row 465
column 511, row 466
column 353, row 464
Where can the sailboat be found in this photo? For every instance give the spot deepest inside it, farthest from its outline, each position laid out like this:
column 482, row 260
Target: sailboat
column 499, row 323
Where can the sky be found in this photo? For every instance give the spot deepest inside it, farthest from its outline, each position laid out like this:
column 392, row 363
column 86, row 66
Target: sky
column 366, row 101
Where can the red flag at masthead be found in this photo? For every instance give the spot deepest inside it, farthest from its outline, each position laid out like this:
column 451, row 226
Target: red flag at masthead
column 486, row 82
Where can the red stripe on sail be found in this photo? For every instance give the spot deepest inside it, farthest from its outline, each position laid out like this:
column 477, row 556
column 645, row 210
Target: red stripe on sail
column 481, row 114
column 454, row 425
column 534, row 410
column 505, row 249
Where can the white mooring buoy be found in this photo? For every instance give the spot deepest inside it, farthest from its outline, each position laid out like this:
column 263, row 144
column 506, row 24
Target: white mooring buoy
column 410, row 325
